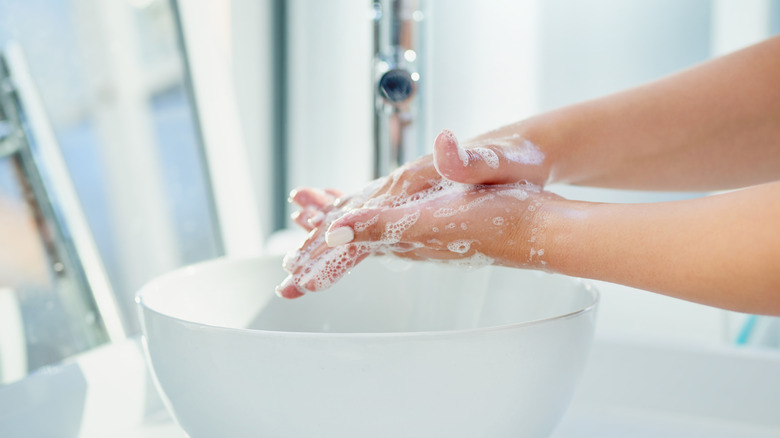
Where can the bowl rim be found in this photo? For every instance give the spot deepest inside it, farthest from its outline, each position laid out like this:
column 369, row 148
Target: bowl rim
column 194, row 268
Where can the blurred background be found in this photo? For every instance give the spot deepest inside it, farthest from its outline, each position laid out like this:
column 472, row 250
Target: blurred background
column 182, row 126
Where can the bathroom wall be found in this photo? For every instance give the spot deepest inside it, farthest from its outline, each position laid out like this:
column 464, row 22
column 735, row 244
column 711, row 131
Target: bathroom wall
column 597, row 47
column 481, row 52
column 495, row 62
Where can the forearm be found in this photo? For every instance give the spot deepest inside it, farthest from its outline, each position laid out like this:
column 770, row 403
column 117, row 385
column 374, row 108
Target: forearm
column 721, row 250
column 711, row 127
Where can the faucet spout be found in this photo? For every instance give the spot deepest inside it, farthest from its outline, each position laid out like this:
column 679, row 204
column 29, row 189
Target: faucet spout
column 399, row 120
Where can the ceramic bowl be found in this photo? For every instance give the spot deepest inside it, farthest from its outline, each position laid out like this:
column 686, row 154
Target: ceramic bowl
column 428, row 351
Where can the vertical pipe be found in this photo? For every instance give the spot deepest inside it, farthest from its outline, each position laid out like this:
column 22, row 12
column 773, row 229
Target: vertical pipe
column 399, row 124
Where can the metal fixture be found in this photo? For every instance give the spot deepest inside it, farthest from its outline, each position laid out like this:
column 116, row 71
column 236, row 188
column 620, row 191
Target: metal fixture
column 28, row 141
column 398, row 77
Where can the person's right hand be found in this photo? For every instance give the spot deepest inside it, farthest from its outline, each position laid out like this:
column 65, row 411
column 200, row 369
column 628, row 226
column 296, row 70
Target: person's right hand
column 491, row 160
column 501, row 156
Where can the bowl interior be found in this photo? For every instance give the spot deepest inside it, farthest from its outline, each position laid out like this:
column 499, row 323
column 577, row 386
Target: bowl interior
column 374, row 298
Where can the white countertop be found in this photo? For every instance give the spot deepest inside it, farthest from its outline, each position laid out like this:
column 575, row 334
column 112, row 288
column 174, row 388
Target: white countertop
column 649, row 389
column 630, row 388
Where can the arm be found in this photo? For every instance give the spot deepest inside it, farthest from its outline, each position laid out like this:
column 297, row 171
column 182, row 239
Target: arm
column 721, row 250
column 712, row 127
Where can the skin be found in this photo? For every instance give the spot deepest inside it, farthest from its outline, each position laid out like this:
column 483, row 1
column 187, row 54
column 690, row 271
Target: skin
column 712, row 127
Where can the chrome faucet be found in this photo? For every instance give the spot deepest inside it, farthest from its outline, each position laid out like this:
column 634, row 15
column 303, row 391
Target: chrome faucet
column 399, row 76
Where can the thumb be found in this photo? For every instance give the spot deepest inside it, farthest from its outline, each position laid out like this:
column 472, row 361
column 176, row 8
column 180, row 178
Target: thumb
column 501, row 162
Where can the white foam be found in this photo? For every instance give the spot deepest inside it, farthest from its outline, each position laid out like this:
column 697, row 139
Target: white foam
column 525, row 153
column 488, row 156
column 474, row 203
column 462, row 154
column 321, row 271
column 476, row 260
column 325, row 271
column 519, row 194
column 444, row 212
column 461, row 246
column 394, row 230
column 361, row 226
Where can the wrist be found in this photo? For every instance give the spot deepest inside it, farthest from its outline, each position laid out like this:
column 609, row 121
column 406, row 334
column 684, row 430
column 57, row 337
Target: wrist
column 547, row 132
column 541, row 235
column 560, row 227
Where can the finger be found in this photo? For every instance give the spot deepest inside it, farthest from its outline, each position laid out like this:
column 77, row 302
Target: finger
column 311, row 197
column 387, row 226
column 311, row 257
column 334, row 193
column 489, row 163
column 409, row 233
column 329, row 267
column 373, row 190
column 288, row 289
column 414, row 177
column 308, row 218
column 303, row 254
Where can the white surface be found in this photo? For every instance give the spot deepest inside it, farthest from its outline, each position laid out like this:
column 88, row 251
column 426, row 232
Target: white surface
column 610, row 403
column 642, row 388
column 220, row 121
column 13, row 349
column 631, row 388
column 452, row 352
column 252, row 39
column 622, row 423
column 330, row 101
column 102, row 393
column 738, row 24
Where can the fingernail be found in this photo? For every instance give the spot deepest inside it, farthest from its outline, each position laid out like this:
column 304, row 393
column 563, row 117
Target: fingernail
column 462, row 154
column 449, row 134
column 316, row 219
column 288, row 289
column 339, row 236
column 292, row 194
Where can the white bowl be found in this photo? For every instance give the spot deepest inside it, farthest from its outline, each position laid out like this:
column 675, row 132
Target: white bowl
column 432, row 351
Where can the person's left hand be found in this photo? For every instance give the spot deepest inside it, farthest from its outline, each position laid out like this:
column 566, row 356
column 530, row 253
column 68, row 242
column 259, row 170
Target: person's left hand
column 334, row 220
column 470, row 225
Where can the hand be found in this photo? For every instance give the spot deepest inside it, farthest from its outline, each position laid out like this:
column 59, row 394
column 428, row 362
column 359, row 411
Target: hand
column 315, row 265
column 314, row 203
column 463, row 224
column 384, row 216
column 466, row 224
column 502, row 156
